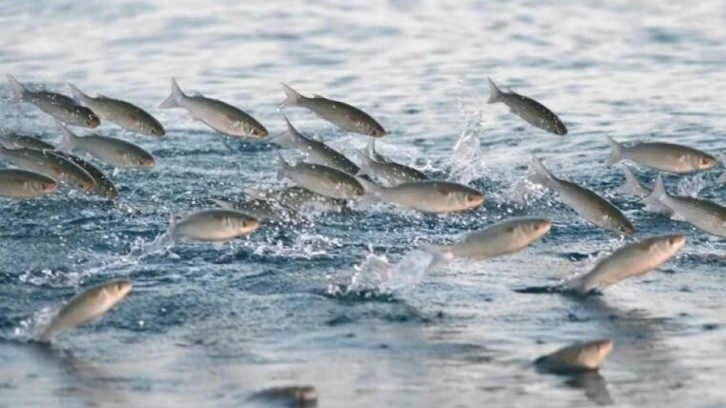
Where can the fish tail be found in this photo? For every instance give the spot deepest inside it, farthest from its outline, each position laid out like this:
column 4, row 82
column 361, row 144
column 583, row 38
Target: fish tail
column 292, row 97
column 372, row 191
column 577, row 284
column 440, row 255
column 223, row 203
column 616, row 154
column 177, row 95
column 69, row 139
column 722, row 179
column 78, row 95
column 365, row 161
column 631, row 185
column 284, row 167
column 540, row 173
column 19, row 91
column 658, row 194
column 494, row 93
column 286, row 138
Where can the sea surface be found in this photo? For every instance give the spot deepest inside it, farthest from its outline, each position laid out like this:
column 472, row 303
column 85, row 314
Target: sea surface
column 345, row 304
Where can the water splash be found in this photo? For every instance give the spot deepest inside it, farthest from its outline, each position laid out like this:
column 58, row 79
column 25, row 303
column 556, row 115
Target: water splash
column 30, row 328
column 691, row 186
column 466, row 158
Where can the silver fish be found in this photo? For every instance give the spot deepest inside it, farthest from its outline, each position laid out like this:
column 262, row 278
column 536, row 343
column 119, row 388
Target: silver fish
column 661, row 156
column 122, row 113
column 299, row 199
column 15, row 141
column 577, row 357
column 338, row 113
column 116, row 152
column 321, row 179
column 262, row 209
column 104, row 185
column 86, row 306
column 634, row 187
column 51, row 165
column 501, row 238
column 394, row 173
column 216, row 114
column 528, row 109
column 704, row 214
column 628, row 261
column 215, row 225
column 428, row 196
column 57, row 105
column 16, row 183
column 318, row 152
column 585, row 202
column 290, row 396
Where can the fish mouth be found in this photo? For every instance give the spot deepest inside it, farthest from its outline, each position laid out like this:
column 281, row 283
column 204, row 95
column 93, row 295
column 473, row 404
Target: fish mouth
column 543, row 226
column 378, row 133
column 122, row 288
column 147, row 163
column 49, row 187
column 677, row 241
column 475, row 200
column 93, row 122
column 706, row 163
column 260, row 133
column 158, row 132
column 627, row 230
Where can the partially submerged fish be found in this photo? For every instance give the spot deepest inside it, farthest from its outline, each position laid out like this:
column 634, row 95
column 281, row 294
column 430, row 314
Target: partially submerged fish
column 577, row 357
column 321, row 179
column 501, row 238
column 15, row 141
column 338, row 113
column 394, row 173
column 634, row 187
column 262, row 209
column 290, row 396
column 585, row 202
column 86, row 306
column 51, row 165
column 104, row 186
column 704, row 214
column 216, row 114
column 116, row 152
column 662, row 156
column 15, row 183
column 299, row 199
column 215, row 225
column 427, row 196
column 122, row 113
column 57, row 105
column 528, row 109
column 628, row 261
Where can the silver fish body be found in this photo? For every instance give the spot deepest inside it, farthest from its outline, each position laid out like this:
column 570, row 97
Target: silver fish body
column 577, row 357
column 215, row 225
column 528, row 109
column 116, row 152
column 122, row 113
column 15, row 141
column 104, row 185
column 51, row 165
column 57, row 105
column 262, row 210
column 289, row 396
column 300, row 199
column 661, row 156
column 341, row 114
column 216, row 114
column 86, row 306
column 585, row 202
column 21, row 184
column 428, row 196
column 394, row 173
column 322, row 179
column 704, row 214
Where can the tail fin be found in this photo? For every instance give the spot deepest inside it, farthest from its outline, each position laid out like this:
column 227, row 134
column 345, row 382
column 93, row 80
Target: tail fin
column 722, row 179
column 19, row 91
column 292, row 97
column 286, row 139
column 541, row 175
column 68, row 142
column 577, row 284
column 440, row 254
column 658, row 194
column 224, row 203
column 494, row 93
column 284, row 167
column 365, row 162
column 617, row 152
column 78, row 95
column 175, row 98
column 632, row 185
column 371, row 149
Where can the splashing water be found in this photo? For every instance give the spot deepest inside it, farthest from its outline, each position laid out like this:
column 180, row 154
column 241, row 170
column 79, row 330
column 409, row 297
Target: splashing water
column 33, row 326
column 691, row 186
column 466, row 159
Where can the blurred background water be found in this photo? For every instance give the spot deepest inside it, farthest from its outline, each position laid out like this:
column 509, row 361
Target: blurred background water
column 208, row 327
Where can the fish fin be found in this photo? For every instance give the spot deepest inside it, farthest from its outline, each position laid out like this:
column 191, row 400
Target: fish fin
column 631, row 185
column 365, row 162
column 68, row 142
column 255, row 194
column 616, row 154
column 78, row 95
column 576, row 284
column 540, row 173
column 722, row 179
column 176, row 96
column 292, row 97
column 284, row 166
column 675, row 216
column 223, row 203
column 286, row 138
column 440, row 255
column 100, row 95
column 658, row 194
column 19, row 90
column 372, row 191
column 494, row 92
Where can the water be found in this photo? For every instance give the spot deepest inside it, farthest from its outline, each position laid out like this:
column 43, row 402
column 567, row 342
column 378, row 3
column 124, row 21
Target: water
column 345, row 304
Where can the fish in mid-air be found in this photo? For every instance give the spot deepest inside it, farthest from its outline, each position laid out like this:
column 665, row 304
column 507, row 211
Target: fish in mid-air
column 216, row 225
column 394, row 173
column 21, row 184
column 428, row 196
column 321, row 179
column 51, row 165
column 528, row 109
column 262, row 209
column 15, row 141
column 104, row 186
column 661, row 156
column 577, row 357
column 299, row 199
column 116, row 152
column 59, row 106
column 338, row 113
column 634, row 187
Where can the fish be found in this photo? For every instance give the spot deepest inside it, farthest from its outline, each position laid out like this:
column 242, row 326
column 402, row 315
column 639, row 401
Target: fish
column 704, row 214
column 289, row 396
column 14, row 141
column 585, row 202
column 51, row 165
column 214, row 225
column 634, row 187
column 86, row 306
column 122, row 113
column 21, row 184
column 116, row 152
column 104, row 185
column 299, row 199
column 262, row 209
column 504, row 237
column 577, row 357
column 667, row 157
column 341, row 114
column 394, row 173
column 218, row 115
column 321, row 179
column 59, row 106
column 628, row 261
column 528, row 109
column 318, row 152
column 428, row 196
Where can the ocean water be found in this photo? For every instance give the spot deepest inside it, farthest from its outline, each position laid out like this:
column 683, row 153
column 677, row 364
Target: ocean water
column 345, row 304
